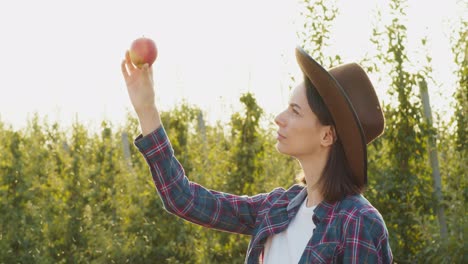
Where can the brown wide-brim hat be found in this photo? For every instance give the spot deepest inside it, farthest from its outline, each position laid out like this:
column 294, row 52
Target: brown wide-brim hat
column 353, row 104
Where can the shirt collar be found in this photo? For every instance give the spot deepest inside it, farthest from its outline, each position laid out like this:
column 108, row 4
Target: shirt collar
column 298, row 199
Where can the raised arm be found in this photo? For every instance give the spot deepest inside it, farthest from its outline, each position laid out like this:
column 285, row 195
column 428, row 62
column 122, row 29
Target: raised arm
column 193, row 202
column 140, row 87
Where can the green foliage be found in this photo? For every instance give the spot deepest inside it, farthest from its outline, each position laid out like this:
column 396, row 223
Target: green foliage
column 315, row 34
column 460, row 51
column 72, row 196
column 404, row 176
column 453, row 168
column 454, row 162
column 400, row 178
column 248, row 150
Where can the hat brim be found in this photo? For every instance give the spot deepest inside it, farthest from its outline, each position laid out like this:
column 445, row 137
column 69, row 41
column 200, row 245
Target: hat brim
column 346, row 120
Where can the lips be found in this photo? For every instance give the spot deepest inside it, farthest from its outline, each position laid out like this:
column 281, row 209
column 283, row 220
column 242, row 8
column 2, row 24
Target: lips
column 280, row 136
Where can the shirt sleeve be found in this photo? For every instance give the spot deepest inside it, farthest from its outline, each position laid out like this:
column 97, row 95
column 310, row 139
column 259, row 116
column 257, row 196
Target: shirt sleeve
column 366, row 240
column 190, row 200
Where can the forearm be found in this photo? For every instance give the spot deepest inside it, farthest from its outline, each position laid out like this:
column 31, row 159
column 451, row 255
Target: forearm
column 149, row 119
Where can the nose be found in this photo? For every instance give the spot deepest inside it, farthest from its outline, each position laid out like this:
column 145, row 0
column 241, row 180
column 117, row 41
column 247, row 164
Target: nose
column 279, row 120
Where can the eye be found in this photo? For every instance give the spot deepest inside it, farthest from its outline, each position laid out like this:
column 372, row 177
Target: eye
column 292, row 109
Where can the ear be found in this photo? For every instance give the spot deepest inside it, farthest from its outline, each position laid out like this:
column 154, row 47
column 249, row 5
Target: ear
column 328, row 136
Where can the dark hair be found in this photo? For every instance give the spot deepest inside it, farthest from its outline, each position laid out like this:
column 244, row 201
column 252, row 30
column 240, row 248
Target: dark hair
column 337, row 180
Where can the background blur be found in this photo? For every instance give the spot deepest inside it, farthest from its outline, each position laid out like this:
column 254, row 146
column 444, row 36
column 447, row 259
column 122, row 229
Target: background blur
column 73, row 188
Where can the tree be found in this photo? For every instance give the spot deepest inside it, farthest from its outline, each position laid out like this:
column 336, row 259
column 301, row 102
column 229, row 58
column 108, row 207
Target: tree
column 248, row 150
column 315, row 36
column 400, row 186
column 17, row 240
column 460, row 51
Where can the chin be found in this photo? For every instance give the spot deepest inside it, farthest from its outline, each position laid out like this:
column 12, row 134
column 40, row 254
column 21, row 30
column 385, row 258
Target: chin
column 287, row 151
column 281, row 149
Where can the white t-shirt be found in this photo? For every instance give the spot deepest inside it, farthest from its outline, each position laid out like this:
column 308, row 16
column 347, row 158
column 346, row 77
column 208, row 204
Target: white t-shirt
column 288, row 246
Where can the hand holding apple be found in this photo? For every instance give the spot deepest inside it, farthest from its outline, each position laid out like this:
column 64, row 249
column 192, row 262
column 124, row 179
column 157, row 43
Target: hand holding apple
column 138, row 75
column 143, row 50
column 140, row 87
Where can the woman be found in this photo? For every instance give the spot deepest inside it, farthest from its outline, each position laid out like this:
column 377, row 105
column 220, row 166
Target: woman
column 330, row 119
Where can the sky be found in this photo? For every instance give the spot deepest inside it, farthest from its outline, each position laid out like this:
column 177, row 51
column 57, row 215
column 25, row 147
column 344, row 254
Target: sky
column 61, row 59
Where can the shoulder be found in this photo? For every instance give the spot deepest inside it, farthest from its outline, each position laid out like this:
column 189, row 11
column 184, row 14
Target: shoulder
column 363, row 231
column 279, row 197
column 356, row 206
column 281, row 193
column 358, row 213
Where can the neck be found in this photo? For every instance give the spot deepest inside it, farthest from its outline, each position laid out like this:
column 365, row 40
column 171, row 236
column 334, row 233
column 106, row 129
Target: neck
column 313, row 168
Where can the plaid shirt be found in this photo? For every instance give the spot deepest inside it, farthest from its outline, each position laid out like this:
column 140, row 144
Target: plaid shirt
column 348, row 231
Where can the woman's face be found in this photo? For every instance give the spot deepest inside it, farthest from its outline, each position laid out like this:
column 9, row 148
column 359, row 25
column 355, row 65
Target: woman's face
column 300, row 133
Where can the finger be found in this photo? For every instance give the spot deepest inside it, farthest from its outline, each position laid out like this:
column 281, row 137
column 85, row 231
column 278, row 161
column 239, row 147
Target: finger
column 150, row 70
column 130, row 65
column 124, row 69
column 145, row 68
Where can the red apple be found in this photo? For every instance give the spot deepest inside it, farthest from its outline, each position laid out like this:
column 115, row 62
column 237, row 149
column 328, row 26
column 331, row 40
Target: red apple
column 143, row 50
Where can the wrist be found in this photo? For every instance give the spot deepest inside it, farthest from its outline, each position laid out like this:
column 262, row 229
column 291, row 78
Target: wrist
column 149, row 119
column 147, row 110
